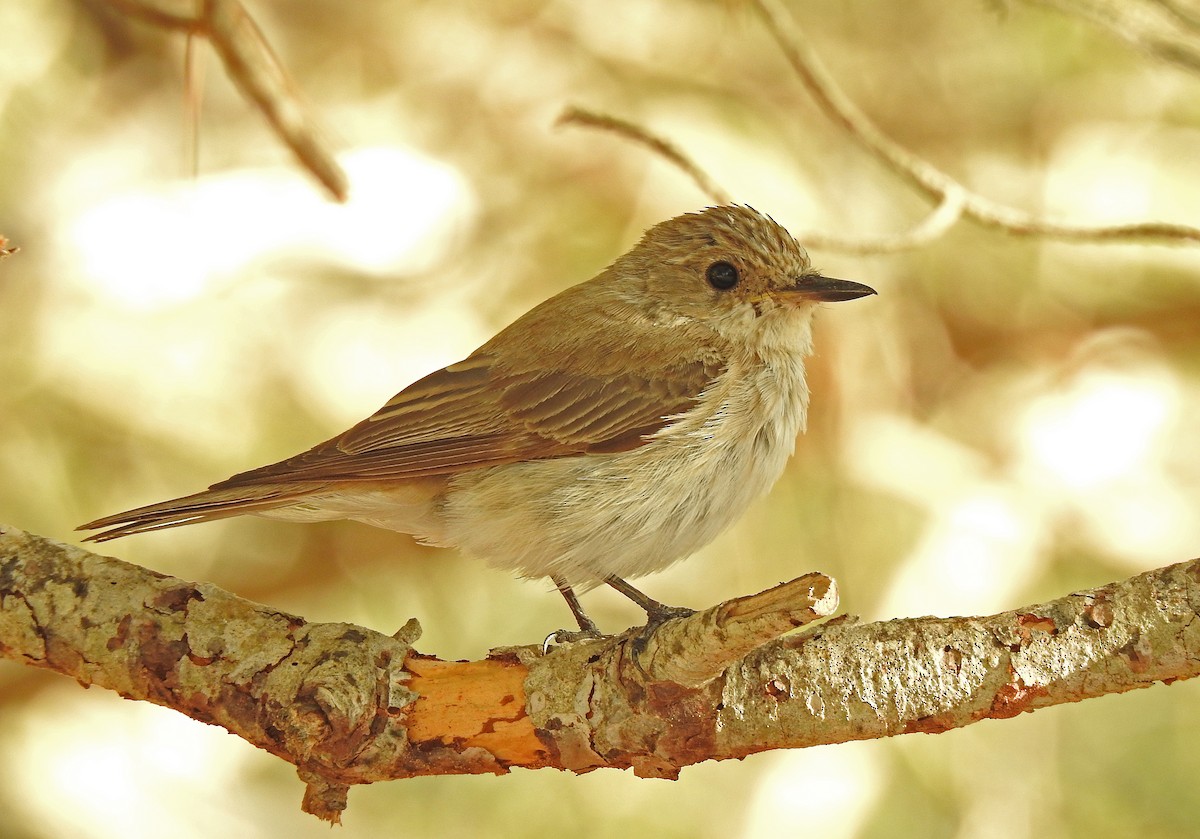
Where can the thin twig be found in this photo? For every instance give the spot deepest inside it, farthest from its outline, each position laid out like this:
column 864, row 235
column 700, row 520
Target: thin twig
column 574, row 115
column 257, row 71
column 260, row 76
column 942, row 218
column 923, row 174
column 155, row 14
column 194, row 65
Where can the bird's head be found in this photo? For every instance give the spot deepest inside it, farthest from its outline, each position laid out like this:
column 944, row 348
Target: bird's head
column 733, row 269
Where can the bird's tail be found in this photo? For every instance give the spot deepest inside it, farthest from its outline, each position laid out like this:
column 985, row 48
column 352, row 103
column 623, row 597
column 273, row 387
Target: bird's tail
column 209, row 505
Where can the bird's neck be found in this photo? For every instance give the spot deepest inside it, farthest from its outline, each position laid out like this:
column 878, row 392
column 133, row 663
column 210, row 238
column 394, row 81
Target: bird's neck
column 774, row 368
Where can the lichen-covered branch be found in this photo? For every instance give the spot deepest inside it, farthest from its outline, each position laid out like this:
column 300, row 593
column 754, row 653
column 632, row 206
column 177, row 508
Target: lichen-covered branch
column 348, row 705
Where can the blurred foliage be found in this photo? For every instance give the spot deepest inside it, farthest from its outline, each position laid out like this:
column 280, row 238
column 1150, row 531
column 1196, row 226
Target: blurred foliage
column 1008, row 420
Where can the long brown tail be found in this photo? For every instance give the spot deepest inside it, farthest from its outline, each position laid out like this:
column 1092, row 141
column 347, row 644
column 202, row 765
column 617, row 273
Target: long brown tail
column 209, row 505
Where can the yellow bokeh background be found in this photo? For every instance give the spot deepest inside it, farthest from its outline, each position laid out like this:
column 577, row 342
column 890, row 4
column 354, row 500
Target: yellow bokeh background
column 1012, row 418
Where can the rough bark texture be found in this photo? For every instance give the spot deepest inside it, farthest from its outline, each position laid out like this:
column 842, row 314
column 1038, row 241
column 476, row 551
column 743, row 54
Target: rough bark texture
column 348, row 705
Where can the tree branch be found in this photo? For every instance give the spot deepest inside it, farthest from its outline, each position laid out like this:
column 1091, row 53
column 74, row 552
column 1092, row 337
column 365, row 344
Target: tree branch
column 952, row 200
column 257, row 72
column 922, row 174
column 348, row 705
column 575, row 115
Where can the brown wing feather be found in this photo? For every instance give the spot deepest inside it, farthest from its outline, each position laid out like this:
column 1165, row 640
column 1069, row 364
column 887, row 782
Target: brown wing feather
column 472, row 415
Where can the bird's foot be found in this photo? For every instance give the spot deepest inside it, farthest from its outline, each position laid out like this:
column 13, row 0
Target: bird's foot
column 656, row 613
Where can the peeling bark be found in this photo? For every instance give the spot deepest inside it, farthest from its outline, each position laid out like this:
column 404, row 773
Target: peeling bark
column 347, row 705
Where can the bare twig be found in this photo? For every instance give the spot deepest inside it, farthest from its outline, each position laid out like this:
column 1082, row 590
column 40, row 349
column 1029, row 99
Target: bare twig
column 348, row 705
column 942, row 218
column 574, row 115
column 948, row 211
column 257, row 72
column 954, row 200
column 925, row 176
column 158, row 14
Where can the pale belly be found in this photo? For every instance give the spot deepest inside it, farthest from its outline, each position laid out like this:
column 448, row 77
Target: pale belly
column 586, row 518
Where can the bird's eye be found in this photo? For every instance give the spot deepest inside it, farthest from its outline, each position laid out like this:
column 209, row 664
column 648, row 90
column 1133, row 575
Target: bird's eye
column 721, row 276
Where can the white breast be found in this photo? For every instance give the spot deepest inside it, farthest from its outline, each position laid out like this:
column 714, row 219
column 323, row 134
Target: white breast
column 632, row 513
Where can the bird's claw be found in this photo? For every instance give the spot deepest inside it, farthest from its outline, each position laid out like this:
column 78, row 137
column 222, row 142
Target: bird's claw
column 569, row 636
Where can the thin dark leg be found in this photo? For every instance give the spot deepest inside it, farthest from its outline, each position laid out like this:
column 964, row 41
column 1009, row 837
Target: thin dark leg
column 586, row 624
column 655, row 612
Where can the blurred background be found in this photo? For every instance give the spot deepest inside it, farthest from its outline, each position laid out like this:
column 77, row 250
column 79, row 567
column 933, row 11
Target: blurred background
column 1006, row 422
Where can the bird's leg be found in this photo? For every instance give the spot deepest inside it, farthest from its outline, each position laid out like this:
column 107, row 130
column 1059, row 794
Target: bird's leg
column 586, row 624
column 655, row 612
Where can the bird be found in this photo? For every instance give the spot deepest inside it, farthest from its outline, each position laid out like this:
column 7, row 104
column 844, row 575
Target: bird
column 609, row 432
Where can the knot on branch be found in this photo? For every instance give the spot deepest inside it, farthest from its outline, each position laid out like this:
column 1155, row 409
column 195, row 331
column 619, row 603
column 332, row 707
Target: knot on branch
column 646, row 696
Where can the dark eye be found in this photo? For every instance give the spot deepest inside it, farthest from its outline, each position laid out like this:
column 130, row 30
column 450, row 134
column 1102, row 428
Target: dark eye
column 721, row 276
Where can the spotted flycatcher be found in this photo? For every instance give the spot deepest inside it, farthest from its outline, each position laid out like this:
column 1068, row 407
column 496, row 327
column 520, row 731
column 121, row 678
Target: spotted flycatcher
column 607, row 433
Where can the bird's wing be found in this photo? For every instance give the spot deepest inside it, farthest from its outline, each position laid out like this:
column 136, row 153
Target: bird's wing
column 474, row 414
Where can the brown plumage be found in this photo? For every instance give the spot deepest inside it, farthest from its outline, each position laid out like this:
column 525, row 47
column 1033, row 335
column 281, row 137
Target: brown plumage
column 609, row 431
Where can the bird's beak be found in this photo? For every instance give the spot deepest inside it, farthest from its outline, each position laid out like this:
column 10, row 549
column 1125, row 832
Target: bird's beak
column 827, row 289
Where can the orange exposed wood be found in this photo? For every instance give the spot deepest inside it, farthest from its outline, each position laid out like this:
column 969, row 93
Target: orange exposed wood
column 474, row 703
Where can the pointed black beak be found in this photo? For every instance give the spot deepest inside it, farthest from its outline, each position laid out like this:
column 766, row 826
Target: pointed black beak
column 829, row 290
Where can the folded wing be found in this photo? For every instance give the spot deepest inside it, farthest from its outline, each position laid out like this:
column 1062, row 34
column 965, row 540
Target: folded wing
column 470, row 415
